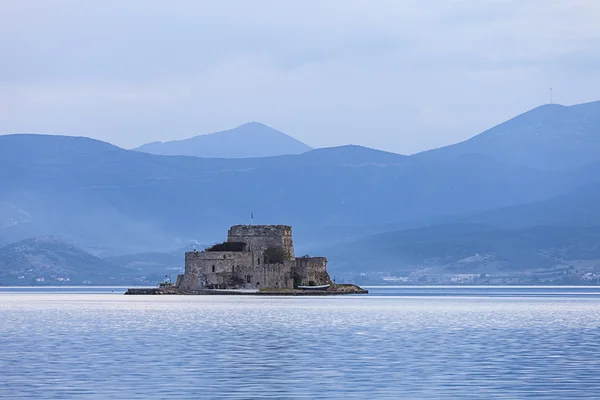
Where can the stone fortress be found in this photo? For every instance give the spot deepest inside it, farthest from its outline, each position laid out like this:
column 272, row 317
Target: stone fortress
column 253, row 257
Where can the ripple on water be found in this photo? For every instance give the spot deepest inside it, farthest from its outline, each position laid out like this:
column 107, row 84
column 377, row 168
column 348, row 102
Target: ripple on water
column 109, row 346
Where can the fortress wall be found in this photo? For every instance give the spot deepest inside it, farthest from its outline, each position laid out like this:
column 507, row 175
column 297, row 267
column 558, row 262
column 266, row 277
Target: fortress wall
column 232, row 270
column 311, row 270
column 269, row 276
column 217, row 268
column 261, row 237
column 179, row 280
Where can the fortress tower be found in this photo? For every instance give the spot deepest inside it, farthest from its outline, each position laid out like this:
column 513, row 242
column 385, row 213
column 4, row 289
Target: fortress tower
column 259, row 238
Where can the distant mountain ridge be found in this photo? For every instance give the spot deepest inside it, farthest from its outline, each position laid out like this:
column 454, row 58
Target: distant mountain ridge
column 492, row 195
column 47, row 260
column 467, row 248
column 112, row 201
column 246, row 141
column 355, row 155
column 550, row 137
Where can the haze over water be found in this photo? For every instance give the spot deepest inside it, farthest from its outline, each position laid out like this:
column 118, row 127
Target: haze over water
column 417, row 343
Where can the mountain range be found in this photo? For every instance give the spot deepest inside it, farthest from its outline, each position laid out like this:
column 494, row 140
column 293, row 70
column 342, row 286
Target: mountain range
column 249, row 140
column 365, row 209
column 468, row 249
column 47, row 260
column 115, row 201
column 550, row 137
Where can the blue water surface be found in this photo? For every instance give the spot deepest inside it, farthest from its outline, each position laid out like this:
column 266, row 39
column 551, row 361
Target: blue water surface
column 395, row 343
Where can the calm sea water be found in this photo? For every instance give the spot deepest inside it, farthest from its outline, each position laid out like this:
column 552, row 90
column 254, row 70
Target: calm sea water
column 396, row 343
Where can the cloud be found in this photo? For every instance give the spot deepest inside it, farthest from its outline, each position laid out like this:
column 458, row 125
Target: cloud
column 400, row 75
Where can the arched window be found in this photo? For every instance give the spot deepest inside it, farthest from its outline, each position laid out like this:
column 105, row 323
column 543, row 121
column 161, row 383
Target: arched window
column 213, row 268
column 258, row 260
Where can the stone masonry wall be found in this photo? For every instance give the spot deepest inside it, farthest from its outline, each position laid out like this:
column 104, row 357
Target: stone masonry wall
column 216, row 268
column 205, row 270
column 261, row 237
column 311, row 270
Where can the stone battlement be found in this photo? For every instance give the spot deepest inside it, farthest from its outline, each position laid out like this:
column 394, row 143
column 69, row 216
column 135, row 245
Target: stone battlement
column 260, row 230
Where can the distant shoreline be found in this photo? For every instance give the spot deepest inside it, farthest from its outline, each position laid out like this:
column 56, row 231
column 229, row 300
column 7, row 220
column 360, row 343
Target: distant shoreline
column 433, row 286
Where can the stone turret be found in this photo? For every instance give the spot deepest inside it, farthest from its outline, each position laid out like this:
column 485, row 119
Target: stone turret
column 261, row 237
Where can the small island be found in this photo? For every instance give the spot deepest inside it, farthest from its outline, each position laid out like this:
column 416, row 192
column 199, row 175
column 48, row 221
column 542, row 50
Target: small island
column 255, row 260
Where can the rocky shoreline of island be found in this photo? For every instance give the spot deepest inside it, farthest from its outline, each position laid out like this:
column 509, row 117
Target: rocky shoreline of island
column 333, row 290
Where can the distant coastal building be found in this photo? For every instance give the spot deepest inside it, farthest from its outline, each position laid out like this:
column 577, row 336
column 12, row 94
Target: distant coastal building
column 253, row 257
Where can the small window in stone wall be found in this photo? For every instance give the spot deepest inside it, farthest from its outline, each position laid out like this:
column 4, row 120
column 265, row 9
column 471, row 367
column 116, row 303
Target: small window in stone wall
column 257, row 283
column 258, row 260
column 213, row 268
column 248, row 279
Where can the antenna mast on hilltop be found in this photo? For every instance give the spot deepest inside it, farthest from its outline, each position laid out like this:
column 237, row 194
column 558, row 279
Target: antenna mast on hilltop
column 251, row 218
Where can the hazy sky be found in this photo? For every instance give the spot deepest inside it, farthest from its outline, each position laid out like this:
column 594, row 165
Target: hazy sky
column 399, row 75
